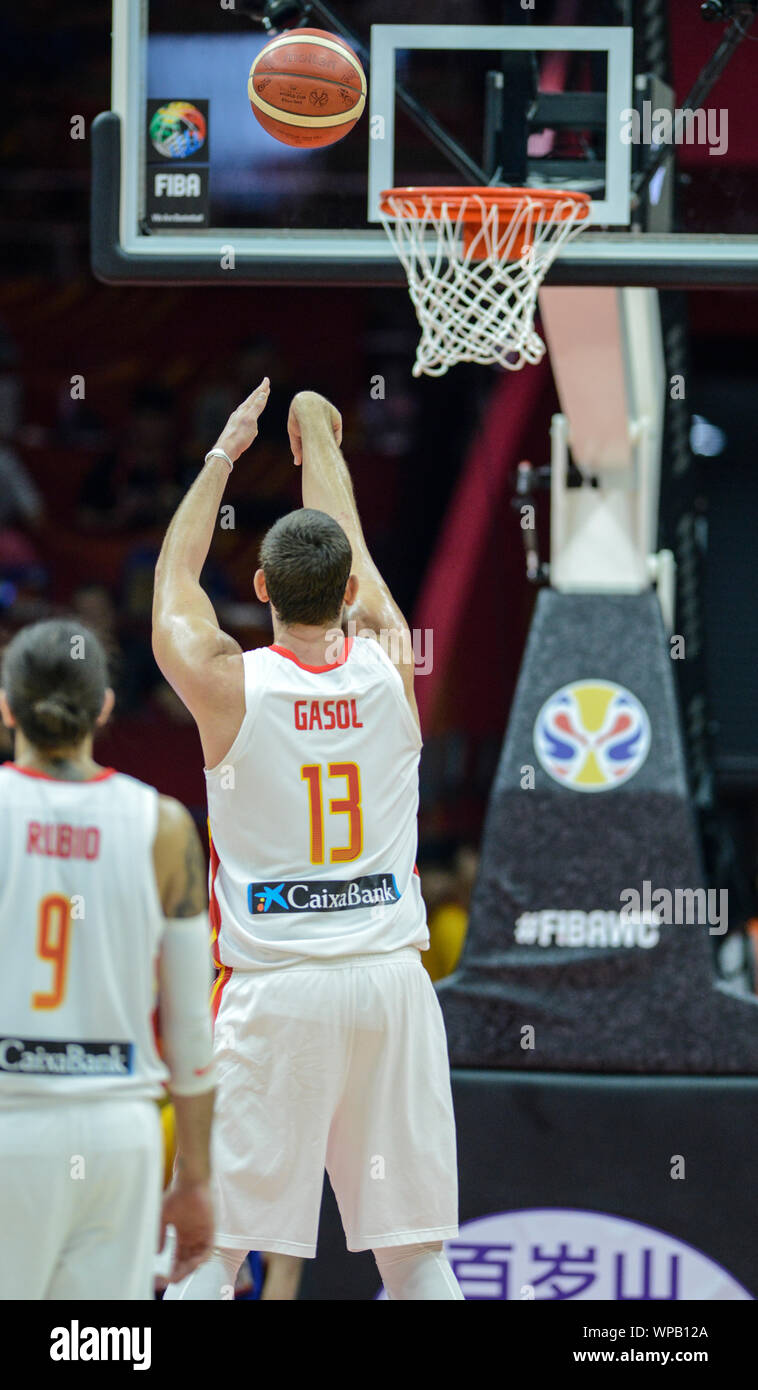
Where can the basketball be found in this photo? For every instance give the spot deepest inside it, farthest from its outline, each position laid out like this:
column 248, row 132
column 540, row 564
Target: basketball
column 307, row 88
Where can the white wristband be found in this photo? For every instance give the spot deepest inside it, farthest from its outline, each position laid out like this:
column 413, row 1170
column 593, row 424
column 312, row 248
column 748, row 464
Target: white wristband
column 184, row 977
column 219, row 453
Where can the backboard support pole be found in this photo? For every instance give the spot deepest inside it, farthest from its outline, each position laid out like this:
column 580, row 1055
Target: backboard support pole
column 606, row 352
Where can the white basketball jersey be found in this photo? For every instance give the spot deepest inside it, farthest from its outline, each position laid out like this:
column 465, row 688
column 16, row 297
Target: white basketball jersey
column 313, row 814
column 80, row 927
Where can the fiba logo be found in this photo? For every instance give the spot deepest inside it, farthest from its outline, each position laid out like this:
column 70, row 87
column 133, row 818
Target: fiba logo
column 592, row 735
column 177, row 129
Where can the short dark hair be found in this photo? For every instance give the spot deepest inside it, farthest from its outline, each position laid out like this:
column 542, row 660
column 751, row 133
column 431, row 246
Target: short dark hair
column 55, row 675
column 306, row 561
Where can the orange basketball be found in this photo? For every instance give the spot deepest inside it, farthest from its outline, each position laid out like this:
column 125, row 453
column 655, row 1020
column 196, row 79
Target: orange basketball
column 307, row 88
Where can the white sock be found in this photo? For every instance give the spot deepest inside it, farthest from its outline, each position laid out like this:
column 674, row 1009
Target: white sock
column 213, row 1280
column 417, row 1272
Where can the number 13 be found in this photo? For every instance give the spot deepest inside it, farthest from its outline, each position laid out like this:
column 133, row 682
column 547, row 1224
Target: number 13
column 347, row 806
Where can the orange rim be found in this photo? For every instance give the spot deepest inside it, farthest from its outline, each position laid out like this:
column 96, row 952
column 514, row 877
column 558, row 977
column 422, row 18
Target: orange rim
column 474, row 202
column 421, row 201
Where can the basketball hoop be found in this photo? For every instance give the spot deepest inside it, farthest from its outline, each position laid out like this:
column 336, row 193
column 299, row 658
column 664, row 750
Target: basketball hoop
column 475, row 259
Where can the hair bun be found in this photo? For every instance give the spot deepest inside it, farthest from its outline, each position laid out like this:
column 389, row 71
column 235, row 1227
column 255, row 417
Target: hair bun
column 57, row 717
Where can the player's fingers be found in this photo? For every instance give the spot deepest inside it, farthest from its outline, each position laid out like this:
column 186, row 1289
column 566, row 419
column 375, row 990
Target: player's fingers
column 180, row 1264
column 297, row 449
column 189, row 1262
column 261, row 391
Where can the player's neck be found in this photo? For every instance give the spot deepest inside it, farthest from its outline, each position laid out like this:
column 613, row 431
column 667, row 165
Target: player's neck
column 315, row 646
column 72, row 764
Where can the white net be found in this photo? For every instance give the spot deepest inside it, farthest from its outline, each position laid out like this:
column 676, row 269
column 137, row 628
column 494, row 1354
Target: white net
column 475, row 296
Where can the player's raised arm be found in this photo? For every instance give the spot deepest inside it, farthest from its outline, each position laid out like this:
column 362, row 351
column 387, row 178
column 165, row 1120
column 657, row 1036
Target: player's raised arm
column 184, row 973
column 315, row 431
column 202, row 663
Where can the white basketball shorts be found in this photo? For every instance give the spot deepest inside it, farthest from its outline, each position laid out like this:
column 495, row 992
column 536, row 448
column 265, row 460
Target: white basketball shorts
column 343, row 1065
column 80, row 1193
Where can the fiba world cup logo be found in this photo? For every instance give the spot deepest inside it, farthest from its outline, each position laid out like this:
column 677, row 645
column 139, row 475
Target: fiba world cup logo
column 177, row 129
column 592, row 735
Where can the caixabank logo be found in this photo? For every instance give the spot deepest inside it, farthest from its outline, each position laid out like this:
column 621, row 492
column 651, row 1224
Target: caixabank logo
column 592, row 735
column 323, row 895
column 557, row 1253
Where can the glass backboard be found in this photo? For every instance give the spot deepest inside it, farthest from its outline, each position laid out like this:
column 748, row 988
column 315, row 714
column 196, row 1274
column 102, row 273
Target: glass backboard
column 502, row 98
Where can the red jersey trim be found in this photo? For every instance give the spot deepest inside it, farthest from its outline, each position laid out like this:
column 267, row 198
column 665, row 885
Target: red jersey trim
column 222, row 980
column 214, row 912
column 316, row 670
column 45, row 777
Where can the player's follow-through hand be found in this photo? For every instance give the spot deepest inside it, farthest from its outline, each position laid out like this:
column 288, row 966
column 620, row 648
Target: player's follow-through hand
column 309, row 405
column 242, row 426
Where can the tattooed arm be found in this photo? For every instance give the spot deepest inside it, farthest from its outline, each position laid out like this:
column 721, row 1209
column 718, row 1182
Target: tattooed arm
column 179, row 861
column 183, row 1006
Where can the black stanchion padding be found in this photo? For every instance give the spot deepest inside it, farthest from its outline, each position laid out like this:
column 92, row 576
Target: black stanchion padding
column 593, row 1008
